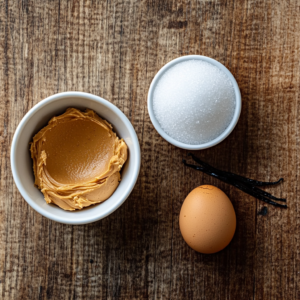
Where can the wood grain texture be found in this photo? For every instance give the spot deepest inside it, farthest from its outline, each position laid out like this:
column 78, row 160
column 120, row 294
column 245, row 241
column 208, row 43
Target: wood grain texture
column 113, row 49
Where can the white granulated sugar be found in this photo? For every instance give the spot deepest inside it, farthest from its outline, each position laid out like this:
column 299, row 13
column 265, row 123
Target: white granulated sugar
column 194, row 102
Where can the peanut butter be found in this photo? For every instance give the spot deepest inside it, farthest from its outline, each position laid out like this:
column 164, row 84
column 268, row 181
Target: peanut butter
column 77, row 159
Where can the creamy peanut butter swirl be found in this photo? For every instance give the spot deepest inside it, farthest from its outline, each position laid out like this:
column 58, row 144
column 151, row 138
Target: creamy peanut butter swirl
column 77, row 159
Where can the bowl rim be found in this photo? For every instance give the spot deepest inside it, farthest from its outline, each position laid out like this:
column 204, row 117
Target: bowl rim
column 33, row 111
column 230, row 127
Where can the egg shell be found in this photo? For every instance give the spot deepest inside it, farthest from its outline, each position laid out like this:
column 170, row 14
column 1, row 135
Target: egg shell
column 207, row 219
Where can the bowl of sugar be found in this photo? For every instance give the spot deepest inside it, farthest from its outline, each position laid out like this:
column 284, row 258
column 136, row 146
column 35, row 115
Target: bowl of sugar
column 194, row 102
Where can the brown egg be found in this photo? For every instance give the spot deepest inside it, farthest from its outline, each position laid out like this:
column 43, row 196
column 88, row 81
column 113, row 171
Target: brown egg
column 207, row 219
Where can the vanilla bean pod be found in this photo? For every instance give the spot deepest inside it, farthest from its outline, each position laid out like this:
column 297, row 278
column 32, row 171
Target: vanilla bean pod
column 240, row 178
column 246, row 187
column 249, row 182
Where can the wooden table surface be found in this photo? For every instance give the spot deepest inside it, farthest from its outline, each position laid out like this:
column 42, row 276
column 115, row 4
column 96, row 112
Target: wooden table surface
column 113, row 49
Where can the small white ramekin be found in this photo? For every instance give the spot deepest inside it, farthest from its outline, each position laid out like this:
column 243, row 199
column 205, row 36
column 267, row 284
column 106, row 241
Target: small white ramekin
column 37, row 118
column 228, row 129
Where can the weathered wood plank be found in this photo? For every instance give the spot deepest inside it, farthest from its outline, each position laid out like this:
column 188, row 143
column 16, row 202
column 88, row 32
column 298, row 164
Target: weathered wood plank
column 113, row 49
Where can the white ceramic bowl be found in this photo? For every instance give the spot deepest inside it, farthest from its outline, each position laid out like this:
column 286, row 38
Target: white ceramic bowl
column 37, row 118
column 233, row 122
